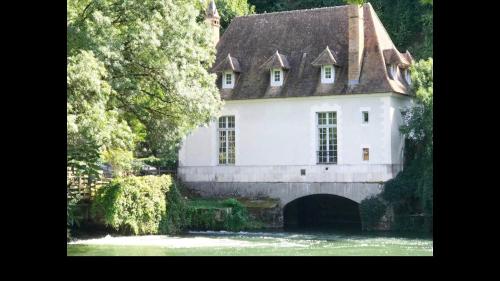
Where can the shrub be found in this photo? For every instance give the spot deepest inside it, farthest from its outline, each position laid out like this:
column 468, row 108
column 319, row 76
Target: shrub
column 371, row 211
column 238, row 217
column 177, row 218
column 209, row 214
column 134, row 205
column 73, row 216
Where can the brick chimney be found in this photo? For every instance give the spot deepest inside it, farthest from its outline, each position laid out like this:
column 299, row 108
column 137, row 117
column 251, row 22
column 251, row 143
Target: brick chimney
column 356, row 43
column 212, row 18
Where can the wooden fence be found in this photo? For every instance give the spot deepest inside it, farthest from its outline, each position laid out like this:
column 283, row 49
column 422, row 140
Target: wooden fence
column 84, row 186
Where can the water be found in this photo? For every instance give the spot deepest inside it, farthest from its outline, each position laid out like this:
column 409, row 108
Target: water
column 222, row 243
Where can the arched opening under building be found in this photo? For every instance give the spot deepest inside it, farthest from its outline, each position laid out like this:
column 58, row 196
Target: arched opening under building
column 322, row 212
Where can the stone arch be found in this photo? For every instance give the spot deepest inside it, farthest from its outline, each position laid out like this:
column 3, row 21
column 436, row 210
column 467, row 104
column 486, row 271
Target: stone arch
column 322, row 211
column 352, row 191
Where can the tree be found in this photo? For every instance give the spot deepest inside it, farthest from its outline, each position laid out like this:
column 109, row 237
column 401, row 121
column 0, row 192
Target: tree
column 418, row 128
column 151, row 60
column 408, row 22
column 91, row 129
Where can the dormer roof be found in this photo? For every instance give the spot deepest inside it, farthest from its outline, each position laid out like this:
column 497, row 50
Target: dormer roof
column 392, row 56
column 408, row 57
column 228, row 64
column 325, row 58
column 277, row 60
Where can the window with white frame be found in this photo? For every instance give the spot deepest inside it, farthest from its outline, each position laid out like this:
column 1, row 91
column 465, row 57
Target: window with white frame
column 365, row 117
column 226, row 140
column 327, row 74
column 407, row 76
column 276, row 77
column 393, row 69
column 228, row 80
column 327, row 138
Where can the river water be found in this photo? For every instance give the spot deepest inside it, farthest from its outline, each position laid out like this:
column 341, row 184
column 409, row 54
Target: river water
column 222, row 243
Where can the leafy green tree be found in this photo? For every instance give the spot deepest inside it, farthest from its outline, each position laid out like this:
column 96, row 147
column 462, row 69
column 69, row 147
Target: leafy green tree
column 411, row 191
column 418, row 128
column 91, row 129
column 408, row 22
column 150, row 58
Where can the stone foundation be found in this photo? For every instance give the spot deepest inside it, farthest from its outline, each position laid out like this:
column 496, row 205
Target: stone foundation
column 283, row 192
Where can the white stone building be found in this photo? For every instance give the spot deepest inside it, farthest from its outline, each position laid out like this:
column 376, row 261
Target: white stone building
column 312, row 105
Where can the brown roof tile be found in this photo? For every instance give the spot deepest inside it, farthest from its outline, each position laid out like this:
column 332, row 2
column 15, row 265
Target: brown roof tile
column 294, row 40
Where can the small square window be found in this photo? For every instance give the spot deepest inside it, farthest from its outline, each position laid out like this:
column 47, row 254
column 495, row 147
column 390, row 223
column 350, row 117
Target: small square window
column 302, row 172
column 366, row 154
column 365, row 117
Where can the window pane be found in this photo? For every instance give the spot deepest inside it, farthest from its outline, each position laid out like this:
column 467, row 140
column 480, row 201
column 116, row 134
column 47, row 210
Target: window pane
column 327, row 137
column 228, row 78
column 222, row 122
column 226, row 140
column 277, row 77
column 231, row 147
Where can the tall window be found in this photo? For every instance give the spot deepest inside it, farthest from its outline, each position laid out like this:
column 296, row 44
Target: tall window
column 226, row 140
column 327, row 137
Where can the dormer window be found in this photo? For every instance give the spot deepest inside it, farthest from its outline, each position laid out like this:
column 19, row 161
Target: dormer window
column 327, row 62
column 228, row 80
column 327, row 74
column 276, row 64
column 393, row 68
column 407, row 76
column 276, row 77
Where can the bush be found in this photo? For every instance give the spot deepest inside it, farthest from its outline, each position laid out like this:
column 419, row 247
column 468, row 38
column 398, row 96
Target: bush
column 177, row 218
column 238, row 217
column 371, row 211
column 73, row 216
column 134, row 205
column 209, row 214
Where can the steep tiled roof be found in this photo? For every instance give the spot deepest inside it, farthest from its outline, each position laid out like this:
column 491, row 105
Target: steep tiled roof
column 295, row 40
